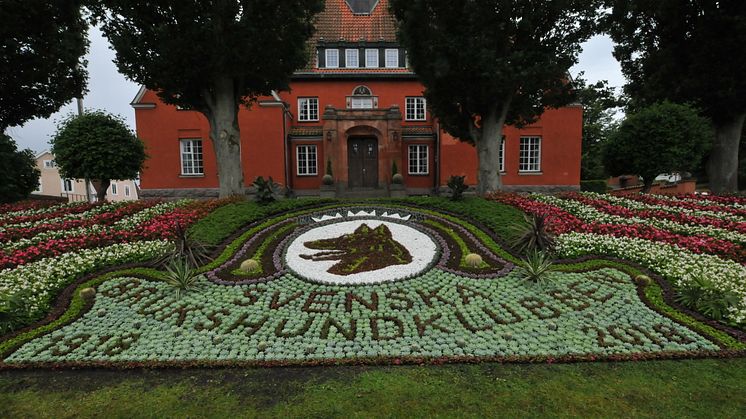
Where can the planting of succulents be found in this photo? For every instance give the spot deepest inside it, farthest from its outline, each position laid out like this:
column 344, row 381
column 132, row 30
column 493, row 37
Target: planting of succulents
column 323, row 282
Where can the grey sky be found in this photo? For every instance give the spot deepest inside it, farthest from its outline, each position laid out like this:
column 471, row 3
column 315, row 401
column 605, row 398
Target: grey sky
column 110, row 91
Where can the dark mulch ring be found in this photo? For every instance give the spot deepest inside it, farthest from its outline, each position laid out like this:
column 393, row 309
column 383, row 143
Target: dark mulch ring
column 355, row 299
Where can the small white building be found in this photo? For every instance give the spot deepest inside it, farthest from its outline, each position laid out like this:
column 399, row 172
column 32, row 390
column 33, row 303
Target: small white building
column 52, row 184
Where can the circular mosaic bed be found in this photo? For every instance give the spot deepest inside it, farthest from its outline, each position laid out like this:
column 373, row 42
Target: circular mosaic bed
column 367, row 284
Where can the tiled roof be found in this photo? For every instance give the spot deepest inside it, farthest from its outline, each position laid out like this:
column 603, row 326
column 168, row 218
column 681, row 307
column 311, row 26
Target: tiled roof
column 337, row 23
column 306, row 131
column 359, row 70
column 419, row 130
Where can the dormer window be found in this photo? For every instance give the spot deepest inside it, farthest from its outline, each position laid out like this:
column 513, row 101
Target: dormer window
column 332, row 58
column 392, row 58
column 361, row 7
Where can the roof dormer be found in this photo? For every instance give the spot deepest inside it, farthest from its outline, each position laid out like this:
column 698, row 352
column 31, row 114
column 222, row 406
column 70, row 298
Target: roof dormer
column 362, row 7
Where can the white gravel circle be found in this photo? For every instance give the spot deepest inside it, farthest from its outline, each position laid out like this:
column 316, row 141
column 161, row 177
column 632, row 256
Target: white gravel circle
column 422, row 248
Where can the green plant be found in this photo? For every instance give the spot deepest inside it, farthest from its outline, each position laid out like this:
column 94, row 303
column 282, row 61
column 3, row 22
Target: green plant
column 532, row 235
column 457, row 185
column 598, row 186
column 329, row 168
column 14, row 311
column 535, row 268
column 182, row 277
column 265, row 190
column 701, row 295
column 187, row 248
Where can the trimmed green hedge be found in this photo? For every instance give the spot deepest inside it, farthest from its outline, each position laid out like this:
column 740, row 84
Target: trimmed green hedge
column 598, row 186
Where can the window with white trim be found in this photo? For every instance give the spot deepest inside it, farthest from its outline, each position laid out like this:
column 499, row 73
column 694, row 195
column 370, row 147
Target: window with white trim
column 126, row 190
column 306, row 160
column 361, row 102
column 191, row 157
column 392, row 58
column 50, row 164
column 418, row 159
column 371, row 58
column 332, row 58
column 501, row 155
column 529, row 159
column 308, row 109
column 415, row 109
column 352, row 58
column 113, row 188
column 68, row 185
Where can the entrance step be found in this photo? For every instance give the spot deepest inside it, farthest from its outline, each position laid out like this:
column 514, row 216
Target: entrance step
column 364, row 193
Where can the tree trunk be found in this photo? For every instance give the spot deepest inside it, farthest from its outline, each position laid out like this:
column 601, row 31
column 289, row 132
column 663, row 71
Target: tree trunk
column 222, row 113
column 487, row 142
column 722, row 168
column 647, row 183
column 101, row 187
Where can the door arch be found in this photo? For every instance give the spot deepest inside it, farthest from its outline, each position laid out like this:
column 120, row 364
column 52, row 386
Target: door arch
column 362, row 162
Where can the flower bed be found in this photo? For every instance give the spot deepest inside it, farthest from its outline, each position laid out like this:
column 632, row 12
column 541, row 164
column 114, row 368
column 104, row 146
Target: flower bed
column 670, row 236
column 448, row 311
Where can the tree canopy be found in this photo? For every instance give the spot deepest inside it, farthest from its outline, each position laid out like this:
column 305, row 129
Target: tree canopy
column 661, row 138
column 688, row 51
column 97, row 146
column 489, row 63
column 18, row 173
column 211, row 56
column 41, row 69
column 600, row 104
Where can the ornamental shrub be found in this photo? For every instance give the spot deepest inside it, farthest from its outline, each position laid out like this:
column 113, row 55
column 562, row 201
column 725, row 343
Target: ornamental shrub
column 14, row 311
column 265, row 190
column 598, row 186
column 535, row 268
column 533, row 235
column 458, row 186
column 18, row 173
column 182, row 277
column 701, row 295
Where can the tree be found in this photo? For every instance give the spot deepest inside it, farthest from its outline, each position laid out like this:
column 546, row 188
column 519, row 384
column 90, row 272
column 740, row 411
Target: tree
column 18, row 173
column 211, row 56
column 600, row 105
column 41, row 45
column 97, row 146
column 686, row 51
column 662, row 138
column 485, row 64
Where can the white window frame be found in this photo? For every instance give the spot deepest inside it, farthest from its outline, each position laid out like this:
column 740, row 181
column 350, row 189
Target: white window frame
column 529, row 156
column 419, row 169
column 49, row 164
column 64, row 186
column 501, row 155
column 371, row 58
column 194, row 170
column 349, row 62
column 328, row 54
column 127, row 192
column 411, row 103
column 305, row 106
column 391, row 57
column 310, row 167
column 113, row 187
column 362, row 102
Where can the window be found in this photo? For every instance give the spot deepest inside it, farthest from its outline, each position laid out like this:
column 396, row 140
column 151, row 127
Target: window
column 392, row 58
column 191, row 157
column 332, row 58
column 113, row 188
column 415, row 109
column 49, row 164
column 126, row 190
column 308, row 109
column 307, row 160
column 361, row 102
column 371, row 58
column 68, row 186
column 501, row 155
column 418, row 159
column 352, row 59
column 530, row 155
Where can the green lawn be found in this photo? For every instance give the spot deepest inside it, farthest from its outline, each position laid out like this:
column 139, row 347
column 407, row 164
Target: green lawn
column 676, row 389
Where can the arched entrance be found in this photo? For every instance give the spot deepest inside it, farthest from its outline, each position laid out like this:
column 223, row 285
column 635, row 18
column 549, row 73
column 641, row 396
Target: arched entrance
column 362, row 162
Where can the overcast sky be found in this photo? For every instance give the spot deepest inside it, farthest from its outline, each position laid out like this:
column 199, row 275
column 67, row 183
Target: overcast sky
column 110, row 91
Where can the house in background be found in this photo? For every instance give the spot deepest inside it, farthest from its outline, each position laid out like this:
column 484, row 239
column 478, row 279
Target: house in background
column 52, row 184
column 359, row 107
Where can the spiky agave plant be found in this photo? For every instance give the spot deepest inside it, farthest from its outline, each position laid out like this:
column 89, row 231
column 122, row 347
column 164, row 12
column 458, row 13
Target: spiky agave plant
column 187, row 248
column 533, row 235
column 535, row 268
column 182, row 277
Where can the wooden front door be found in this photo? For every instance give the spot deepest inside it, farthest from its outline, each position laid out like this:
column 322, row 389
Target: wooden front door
column 362, row 162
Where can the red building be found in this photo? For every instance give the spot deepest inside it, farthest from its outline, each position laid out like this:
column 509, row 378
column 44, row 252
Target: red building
column 359, row 107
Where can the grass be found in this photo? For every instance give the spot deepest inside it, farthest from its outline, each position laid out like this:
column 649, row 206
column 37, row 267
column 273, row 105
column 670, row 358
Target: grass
column 676, row 389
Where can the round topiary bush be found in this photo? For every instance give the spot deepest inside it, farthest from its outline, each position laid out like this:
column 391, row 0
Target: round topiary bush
column 249, row 265
column 473, row 260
